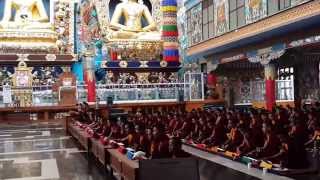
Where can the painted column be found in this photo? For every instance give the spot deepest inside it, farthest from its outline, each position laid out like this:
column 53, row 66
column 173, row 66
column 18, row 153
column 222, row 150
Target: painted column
column 270, row 76
column 77, row 69
column 170, row 31
column 89, row 76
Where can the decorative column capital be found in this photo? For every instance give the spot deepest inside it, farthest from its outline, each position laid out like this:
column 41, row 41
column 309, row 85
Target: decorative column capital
column 88, row 54
column 270, row 72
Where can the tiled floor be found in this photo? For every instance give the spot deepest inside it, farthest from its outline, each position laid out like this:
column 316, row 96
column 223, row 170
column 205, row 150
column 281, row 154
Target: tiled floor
column 43, row 151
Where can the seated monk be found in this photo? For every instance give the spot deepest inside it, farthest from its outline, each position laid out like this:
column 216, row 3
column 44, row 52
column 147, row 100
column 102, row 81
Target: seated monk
column 271, row 144
column 160, row 143
column 106, row 129
column 172, row 123
column 185, row 129
column 217, row 137
column 175, row 147
column 291, row 154
column 82, row 114
column 115, row 132
column 247, row 144
column 194, row 131
column 234, row 137
column 131, row 136
column 256, row 132
column 149, row 134
column 315, row 137
column 204, row 133
column 142, row 143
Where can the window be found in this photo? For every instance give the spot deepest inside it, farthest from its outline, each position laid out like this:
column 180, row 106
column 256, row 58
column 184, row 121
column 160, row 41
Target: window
column 275, row 6
column 237, row 16
column 284, row 4
column 207, row 19
column 286, row 73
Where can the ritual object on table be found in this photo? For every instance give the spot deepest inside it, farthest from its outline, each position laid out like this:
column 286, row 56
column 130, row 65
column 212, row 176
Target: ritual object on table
column 214, row 149
column 201, row 146
column 231, row 155
column 122, row 149
column 221, row 150
column 130, row 153
column 104, row 140
column 247, row 160
column 113, row 144
column 139, row 155
column 265, row 165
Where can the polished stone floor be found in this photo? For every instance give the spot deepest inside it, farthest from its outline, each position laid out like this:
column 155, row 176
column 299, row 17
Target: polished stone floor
column 42, row 151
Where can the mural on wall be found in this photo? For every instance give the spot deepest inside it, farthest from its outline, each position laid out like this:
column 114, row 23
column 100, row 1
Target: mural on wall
column 90, row 31
column 196, row 24
column 221, row 16
column 255, row 10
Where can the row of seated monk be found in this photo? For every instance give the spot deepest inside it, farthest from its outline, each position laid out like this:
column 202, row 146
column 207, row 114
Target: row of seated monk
column 152, row 140
column 281, row 136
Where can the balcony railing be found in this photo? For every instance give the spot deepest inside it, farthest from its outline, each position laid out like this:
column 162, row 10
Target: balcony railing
column 189, row 90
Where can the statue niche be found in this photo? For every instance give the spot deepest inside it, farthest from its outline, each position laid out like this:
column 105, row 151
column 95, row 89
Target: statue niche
column 132, row 31
column 133, row 13
column 25, row 26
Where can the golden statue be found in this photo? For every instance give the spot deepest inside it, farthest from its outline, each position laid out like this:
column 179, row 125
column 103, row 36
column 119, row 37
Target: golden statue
column 28, row 29
column 133, row 13
column 29, row 14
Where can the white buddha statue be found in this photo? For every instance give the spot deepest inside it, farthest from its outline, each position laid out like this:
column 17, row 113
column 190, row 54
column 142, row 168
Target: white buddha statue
column 29, row 14
column 133, row 13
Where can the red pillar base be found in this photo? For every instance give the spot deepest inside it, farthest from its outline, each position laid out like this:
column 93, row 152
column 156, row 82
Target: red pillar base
column 91, row 86
column 270, row 94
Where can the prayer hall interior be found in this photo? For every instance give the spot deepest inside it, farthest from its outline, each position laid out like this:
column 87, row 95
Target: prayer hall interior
column 159, row 89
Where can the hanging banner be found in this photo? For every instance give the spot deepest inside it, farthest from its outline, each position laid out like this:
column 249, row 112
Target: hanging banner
column 221, row 16
column 7, row 98
column 255, row 10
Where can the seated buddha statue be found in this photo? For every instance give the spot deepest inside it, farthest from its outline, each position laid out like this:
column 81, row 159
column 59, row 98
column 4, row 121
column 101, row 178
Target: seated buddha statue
column 29, row 14
column 25, row 26
column 133, row 13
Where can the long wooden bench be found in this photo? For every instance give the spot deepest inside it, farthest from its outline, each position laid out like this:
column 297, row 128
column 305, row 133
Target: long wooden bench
column 100, row 152
column 128, row 169
column 106, row 155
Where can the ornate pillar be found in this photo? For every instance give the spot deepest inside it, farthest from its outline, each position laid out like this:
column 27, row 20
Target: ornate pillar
column 270, row 76
column 170, row 31
column 89, row 76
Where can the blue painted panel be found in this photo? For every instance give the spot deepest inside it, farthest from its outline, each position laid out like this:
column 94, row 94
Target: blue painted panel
column 77, row 69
